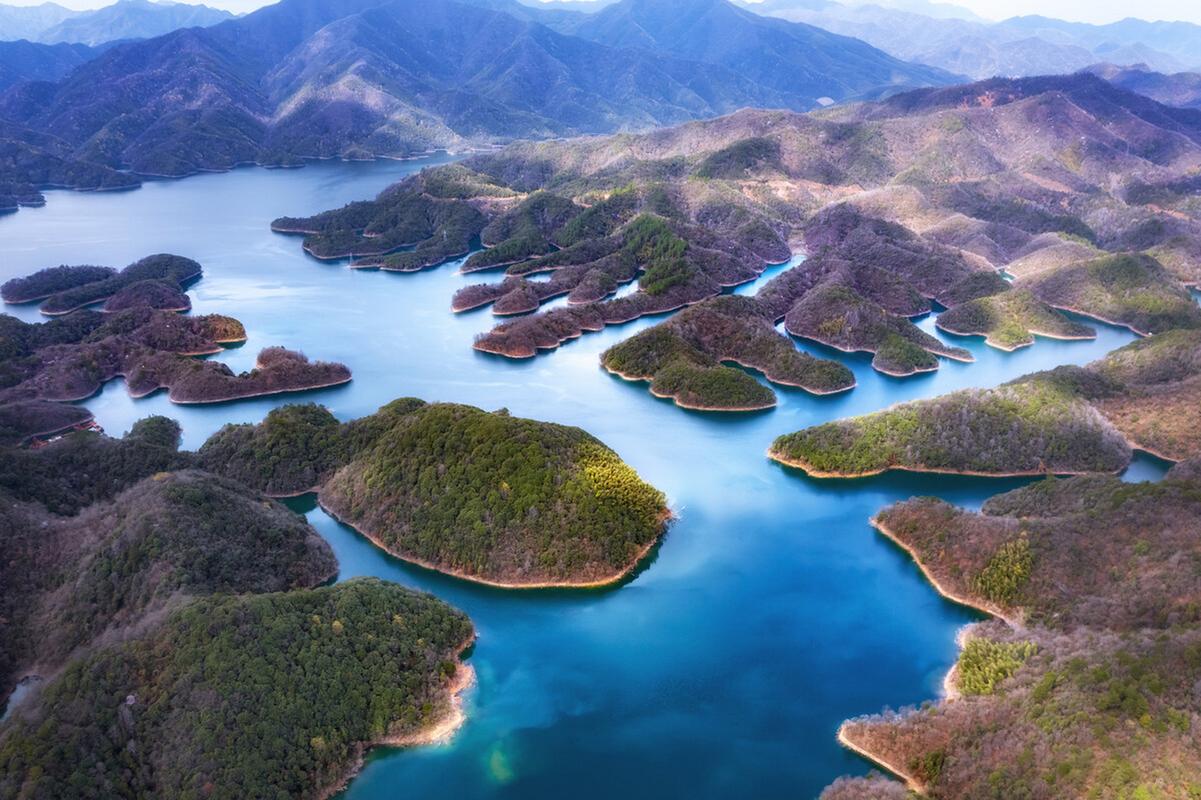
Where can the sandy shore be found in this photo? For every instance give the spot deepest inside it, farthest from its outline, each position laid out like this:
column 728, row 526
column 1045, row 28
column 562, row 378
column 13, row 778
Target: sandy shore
column 439, row 731
column 910, row 781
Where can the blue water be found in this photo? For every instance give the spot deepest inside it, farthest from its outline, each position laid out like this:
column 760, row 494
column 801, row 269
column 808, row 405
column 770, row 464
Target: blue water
column 770, row 613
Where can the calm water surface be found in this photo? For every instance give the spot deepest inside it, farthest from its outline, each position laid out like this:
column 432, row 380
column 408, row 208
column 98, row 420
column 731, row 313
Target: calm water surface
column 770, row 613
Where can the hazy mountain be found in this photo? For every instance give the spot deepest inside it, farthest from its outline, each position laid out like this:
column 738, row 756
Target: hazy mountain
column 126, row 19
column 356, row 78
column 1180, row 40
column 131, row 19
column 1016, row 47
column 1182, row 89
column 790, row 57
column 28, row 22
column 24, row 61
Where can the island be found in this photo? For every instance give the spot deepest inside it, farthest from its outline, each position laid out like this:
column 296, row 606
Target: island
column 50, row 281
column 172, row 602
column 841, row 318
column 516, row 503
column 66, row 289
column 141, row 338
column 1088, row 627
column 1065, row 421
column 682, row 358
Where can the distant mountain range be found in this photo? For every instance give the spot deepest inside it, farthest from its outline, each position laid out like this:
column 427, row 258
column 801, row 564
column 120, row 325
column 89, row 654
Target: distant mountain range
column 1018, row 46
column 51, row 23
column 1181, row 89
column 357, row 78
column 795, row 58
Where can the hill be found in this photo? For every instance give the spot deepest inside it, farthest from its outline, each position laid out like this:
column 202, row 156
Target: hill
column 1177, row 89
column 1082, row 191
column 519, row 503
column 25, row 61
column 1067, row 420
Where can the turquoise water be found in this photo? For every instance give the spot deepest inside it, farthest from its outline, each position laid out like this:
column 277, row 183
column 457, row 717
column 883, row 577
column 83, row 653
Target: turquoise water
column 770, row 613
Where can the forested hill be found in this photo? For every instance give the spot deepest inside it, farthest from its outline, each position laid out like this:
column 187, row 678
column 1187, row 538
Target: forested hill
column 316, row 78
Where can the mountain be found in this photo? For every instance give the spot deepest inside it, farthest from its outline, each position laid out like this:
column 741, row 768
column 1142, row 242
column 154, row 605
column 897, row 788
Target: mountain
column 785, row 56
column 1182, row 89
column 126, row 19
column 28, row 22
column 26, row 61
column 1016, row 47
column 319, row 78
column 132, row 19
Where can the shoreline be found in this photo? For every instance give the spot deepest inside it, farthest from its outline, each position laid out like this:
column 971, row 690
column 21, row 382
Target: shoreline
column 602, row 583
column 1100, row 318
column 976, row 605
column 683, row 404
column 813, row 472
column 265, row 393
column 439, row 731
column 910, row 782
column 1033, row 335
column 968, row 359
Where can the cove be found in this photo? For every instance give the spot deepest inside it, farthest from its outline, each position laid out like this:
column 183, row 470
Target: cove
column 770, row 612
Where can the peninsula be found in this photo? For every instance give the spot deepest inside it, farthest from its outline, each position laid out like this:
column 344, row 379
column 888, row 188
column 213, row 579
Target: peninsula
column 1066, row 421
column 1102, row 628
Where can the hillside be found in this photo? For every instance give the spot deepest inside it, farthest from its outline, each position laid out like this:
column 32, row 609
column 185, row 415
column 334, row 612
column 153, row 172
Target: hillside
column 1177, row 89
column 180, row 698
column 360, row 79
column 25, row 61
column 1083, row 634
column 518, row 502
column 1066, row 421
column 117, row 562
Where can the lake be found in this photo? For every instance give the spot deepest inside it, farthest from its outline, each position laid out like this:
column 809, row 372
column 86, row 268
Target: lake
column 771, row 611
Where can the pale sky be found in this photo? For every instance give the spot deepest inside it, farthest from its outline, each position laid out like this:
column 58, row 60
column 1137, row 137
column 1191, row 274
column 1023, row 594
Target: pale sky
column 1098, row 11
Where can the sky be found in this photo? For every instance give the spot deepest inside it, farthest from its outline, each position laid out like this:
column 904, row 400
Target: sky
column 1097, row 11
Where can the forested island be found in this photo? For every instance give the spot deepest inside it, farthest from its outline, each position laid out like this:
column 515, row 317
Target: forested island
column 138, row 336
column 1065, row 421
column 484, row 496
column 160, row 605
